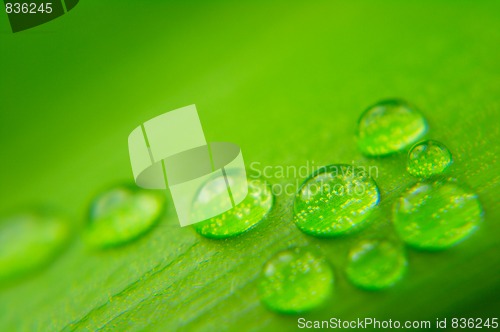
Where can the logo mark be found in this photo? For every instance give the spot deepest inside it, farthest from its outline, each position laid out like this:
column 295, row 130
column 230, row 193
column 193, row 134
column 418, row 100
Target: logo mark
column 171, row 151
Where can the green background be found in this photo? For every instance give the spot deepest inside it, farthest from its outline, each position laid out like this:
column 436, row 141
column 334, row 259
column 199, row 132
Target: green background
column 286, row 81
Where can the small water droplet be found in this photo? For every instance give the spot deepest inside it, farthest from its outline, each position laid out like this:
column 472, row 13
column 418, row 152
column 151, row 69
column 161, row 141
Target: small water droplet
column 375, row 265
column 30, row 240
column 243, row 216
column 436, row 215
column 296, row 280
column 428, row 158
column 389, row 126
column 121, row 215
column 335, row 200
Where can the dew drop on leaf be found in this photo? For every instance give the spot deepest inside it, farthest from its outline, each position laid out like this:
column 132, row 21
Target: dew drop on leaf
column 389, row 126
column 296, row 280
column 240, row 219
column 428, row 158
column 436, row 215
column 122, row 214
column 335, row 200
column 375, row 265
column 30, row 240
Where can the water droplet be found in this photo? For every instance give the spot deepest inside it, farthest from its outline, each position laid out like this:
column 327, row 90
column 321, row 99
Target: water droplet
column 436, row 215
column 30, row 240
column 376, row 265
column 296, row 280
column 389, row 126
column 243, row 216
column 334, row 200
column 428, row 158
column 121, row 215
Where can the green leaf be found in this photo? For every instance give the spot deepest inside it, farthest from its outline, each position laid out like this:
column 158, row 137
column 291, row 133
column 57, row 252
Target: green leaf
column 286, row 81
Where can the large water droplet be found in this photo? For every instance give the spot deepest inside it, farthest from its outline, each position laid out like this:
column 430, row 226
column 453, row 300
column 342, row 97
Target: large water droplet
column 335, row 200
column 376, row 265
column 296, row 280
column 436, row 215
column 389, row 126
column 121, row 215
column 30, row 240
column 428, row 158
column 243, row 216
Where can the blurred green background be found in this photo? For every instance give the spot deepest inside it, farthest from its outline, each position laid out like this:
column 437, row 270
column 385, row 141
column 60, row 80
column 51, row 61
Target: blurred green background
column 293, row 77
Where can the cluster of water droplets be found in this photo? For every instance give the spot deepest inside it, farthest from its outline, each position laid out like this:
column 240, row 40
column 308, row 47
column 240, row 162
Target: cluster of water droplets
column 436, row 213
column 31, row 240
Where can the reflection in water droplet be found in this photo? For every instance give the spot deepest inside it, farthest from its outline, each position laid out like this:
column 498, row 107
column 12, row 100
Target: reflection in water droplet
column 389, row 126
column 239, row 219
column 296, row 280
column 428, row 158
column 376, row 265
column 121, row 215
column 335, row 200
column 436, row 215
column 30, row 240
